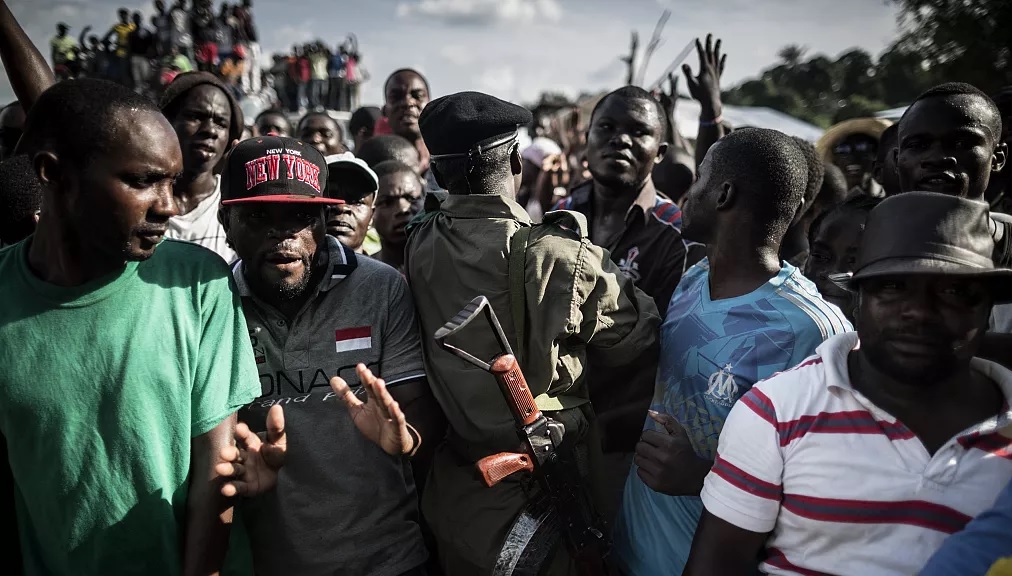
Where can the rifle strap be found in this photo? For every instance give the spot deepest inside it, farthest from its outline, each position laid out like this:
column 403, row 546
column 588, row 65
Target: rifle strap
column 518, row 289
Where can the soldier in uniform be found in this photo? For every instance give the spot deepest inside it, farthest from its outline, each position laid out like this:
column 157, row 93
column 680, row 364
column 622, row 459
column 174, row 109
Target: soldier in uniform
column 574, row 302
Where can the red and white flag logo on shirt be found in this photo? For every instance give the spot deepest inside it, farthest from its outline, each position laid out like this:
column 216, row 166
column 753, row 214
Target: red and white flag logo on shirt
column 351, row 339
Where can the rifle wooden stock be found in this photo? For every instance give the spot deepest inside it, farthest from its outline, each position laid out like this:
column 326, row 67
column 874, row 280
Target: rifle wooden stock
column 498, row 466
column 514, row 386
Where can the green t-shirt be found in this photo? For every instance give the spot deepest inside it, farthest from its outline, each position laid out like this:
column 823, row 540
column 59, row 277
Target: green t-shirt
column 102, row 388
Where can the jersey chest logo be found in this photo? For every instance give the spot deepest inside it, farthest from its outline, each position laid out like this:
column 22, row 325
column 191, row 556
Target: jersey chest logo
column 721, row 388
column 629, row 266
column 351, row 339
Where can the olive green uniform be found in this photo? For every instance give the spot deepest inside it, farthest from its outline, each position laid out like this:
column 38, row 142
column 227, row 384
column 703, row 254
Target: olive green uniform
column 578, row 303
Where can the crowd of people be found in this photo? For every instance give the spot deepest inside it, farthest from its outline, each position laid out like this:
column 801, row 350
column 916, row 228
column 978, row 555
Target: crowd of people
column 184, row 37
column 755, row 353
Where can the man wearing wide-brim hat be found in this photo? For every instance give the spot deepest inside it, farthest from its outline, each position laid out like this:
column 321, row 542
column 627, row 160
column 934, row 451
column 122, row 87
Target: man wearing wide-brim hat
column 852, row 145
column 887, row 439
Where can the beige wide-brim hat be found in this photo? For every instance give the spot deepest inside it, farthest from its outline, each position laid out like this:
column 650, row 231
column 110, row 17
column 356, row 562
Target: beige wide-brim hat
column 873, row 127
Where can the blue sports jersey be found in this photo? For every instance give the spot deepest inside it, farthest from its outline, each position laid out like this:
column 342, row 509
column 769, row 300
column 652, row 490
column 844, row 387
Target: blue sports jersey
column 711, row 354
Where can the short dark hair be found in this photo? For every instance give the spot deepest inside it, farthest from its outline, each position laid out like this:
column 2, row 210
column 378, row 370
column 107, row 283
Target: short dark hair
column 635, row 93
column 276, row 112
column 858, row 203
column 770, row 172
column 388, row 167
column 20, row 198
column 384, row 147
column 364, row 117
column 834, row 186
column 340, row 130
column 74, row 117
column 479, row 175
column 402, row 71
column 816, row 172
column 962, row 89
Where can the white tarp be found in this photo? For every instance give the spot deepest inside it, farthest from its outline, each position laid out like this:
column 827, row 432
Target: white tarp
column 687, row 120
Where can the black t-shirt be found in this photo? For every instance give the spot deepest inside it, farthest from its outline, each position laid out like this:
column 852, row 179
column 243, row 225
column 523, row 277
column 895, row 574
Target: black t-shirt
column 650, row 251
column 139, row 42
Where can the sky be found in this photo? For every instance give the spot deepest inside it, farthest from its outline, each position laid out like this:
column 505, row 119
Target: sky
column 516, row 49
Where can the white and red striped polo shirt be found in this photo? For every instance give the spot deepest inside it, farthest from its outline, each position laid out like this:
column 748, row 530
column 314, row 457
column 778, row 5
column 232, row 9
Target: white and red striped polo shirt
column 843, row 487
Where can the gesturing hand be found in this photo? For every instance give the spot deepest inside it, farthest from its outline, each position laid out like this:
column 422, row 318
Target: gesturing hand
column 380, row 419
column 668, row 99
column 666, row 461
column 253, row 463
column 706, row 86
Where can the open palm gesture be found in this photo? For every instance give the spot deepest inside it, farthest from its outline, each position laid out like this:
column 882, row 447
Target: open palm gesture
column 252, row 464
column 379, row 418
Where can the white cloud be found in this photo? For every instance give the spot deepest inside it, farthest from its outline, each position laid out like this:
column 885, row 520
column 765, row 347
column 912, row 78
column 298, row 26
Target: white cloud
column 457, row 54
column 499, row 81
column 483, row 12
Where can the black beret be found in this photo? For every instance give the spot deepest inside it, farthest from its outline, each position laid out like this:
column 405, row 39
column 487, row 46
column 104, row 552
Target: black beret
column 454, row 124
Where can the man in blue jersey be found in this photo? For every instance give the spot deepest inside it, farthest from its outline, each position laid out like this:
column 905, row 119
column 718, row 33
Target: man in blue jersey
column 737, row 317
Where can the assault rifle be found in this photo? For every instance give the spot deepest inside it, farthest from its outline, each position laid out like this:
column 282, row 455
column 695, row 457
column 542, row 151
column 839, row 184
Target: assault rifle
column 562, row 509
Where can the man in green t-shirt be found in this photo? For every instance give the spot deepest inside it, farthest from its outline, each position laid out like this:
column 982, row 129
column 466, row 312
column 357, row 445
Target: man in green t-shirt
column 124, row 365
column 64, row 52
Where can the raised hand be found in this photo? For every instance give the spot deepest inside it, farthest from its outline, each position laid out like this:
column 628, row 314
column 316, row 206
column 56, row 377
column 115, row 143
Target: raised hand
column 705, row 87
column 252, row 465
column 380, row 418
column 668, row 99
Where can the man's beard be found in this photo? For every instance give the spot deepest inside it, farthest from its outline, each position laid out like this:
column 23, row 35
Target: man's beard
column 287, row 292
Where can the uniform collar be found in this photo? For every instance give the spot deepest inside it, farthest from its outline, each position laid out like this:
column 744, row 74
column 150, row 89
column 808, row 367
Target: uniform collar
column 483, row 206
column 342, row 262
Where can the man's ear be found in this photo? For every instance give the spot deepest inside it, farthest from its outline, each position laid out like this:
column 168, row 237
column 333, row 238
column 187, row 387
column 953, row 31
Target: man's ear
column 47, row 168
column 383, row 111
column 727, row 196
column 662, row 151
column 999, row 157
column 516, row 162
column 223, row 214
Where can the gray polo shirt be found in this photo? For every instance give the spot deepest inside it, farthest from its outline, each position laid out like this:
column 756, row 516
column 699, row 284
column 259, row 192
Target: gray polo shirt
column 342, row 505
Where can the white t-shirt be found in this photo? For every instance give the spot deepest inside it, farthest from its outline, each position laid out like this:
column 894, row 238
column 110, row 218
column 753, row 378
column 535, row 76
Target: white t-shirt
column 201, row 226
column 841, row 485
column 1001, row 319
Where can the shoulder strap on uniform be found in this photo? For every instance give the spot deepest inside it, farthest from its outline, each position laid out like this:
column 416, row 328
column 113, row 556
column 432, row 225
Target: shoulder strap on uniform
column 518, row 289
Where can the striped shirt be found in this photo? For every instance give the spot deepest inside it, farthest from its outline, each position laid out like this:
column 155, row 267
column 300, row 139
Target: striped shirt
column 842, row 486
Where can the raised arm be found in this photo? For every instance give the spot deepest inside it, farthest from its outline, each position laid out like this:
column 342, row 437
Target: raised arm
column 26, row 67
column 208, row 512
column 705, row 88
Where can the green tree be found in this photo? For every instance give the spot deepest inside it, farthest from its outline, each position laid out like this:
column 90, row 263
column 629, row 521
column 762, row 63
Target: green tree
column 961, row 40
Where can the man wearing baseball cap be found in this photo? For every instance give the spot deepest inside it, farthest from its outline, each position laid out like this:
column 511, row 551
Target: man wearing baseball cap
column 868, row 454
column 351, row 181
column 318, row 315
